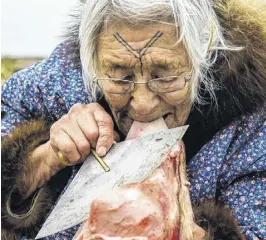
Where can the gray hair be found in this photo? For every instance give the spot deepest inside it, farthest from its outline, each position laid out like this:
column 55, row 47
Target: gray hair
column 196, row 21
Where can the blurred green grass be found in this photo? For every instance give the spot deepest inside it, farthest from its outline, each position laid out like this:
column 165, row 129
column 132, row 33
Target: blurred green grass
column 11, row 65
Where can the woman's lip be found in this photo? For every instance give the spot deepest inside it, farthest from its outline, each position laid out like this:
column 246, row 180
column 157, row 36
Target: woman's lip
column 166, row 115
column 169, row 119
column 148, row 118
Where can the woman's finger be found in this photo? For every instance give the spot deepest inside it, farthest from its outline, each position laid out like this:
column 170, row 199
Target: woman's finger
column 75, row 133
column 63, row 143
column 89, row 127
column 116, row 137
column 106, row 132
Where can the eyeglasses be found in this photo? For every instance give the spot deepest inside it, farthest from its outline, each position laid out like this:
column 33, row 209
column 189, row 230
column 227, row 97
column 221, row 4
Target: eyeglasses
column 157, row 85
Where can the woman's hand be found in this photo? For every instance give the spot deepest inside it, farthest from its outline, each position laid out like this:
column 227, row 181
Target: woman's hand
column 84, row 127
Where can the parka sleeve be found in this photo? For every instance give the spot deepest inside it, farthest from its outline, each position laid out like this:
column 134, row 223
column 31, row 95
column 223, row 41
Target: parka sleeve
column 32, row 100
column 24, row 127
column 243, row 184
column 21, row 99
column 246, row 196
column 232, row 169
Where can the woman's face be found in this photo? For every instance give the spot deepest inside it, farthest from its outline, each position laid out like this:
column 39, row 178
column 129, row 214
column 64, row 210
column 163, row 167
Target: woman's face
column 123, row 53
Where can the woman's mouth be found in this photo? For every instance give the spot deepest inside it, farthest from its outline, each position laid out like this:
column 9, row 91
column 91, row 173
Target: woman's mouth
column 126, row 120
column 149, row 117
column 166, row 115
column 169, row 119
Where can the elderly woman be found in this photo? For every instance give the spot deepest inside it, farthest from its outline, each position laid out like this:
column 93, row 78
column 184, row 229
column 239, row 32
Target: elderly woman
column 200, row 63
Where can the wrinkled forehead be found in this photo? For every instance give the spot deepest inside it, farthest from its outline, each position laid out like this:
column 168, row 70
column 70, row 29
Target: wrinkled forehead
column 125, row 46
column 137, row 36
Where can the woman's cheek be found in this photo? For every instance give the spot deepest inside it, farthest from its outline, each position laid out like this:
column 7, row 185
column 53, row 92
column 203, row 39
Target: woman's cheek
column 176, row 98
column 117, row 101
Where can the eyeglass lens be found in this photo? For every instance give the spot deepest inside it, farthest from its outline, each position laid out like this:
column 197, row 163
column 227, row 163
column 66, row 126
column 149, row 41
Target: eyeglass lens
column 159, row 85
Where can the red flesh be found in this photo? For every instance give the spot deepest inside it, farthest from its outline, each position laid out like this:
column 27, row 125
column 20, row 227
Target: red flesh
column 146, row 210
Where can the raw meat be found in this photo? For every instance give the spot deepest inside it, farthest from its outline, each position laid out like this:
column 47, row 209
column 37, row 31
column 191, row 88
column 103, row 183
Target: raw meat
column 149, row 210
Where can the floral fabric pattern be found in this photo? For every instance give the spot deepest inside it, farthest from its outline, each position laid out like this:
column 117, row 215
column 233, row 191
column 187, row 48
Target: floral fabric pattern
column 231, row 166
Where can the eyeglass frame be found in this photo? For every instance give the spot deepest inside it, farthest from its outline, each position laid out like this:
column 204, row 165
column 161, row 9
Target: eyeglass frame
column 187, row 79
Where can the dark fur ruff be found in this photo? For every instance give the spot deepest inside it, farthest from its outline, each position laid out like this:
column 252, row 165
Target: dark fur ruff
column 243, row 73
column 217, row 220
column 15, row 152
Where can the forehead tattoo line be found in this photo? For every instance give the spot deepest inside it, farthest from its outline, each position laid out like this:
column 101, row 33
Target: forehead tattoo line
column 138, row 53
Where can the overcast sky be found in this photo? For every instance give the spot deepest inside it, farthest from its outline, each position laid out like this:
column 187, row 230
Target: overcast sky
column 33, row 27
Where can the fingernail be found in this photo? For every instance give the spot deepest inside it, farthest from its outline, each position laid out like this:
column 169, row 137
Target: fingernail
column 114, row 142
column 101, row 151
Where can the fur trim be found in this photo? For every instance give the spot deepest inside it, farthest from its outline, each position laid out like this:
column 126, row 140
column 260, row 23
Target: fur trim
column 15, row 151
column 218, row 221
column 242, row 73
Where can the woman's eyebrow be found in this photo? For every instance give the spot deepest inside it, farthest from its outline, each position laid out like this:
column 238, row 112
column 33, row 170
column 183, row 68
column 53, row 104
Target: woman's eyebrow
column 115, row 66
column 161, row 66
column 112, row 63
column 125, row 66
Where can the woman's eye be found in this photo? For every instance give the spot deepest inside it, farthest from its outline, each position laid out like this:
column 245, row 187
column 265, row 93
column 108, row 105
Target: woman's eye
column 128, row 77
column 155, row 76
column 171, row 79
column 120, row 82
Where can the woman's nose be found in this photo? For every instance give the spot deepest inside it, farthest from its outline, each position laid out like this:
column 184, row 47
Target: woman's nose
column 143, row 100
